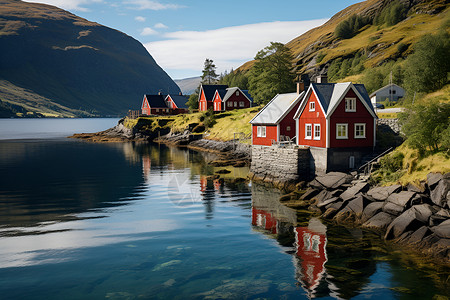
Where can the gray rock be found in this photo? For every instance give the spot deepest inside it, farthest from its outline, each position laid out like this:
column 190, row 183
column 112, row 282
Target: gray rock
column 405, row 222
column 359, row 204
column 383, row 192
column 435, row 220
column 433, row 179
column 316, row 185
column 336, row 205
column 442, row 230
column 414, row 188
column 380, row 221
column 309, row 194
column 333, row 180
column 443, row 213
column 405, row 236
column 401, row 199
column 371, row 210
column 322, row 196
column 419, row 235
column 423, row 212
column 393, row 209
column 438, row 194
column 429, row 240
column 328, row 201
column 350, row 193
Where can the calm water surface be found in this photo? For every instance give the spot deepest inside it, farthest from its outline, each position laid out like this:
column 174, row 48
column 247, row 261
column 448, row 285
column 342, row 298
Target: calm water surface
column 140, row 221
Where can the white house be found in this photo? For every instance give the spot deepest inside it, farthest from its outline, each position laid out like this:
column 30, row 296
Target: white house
column 390, row 92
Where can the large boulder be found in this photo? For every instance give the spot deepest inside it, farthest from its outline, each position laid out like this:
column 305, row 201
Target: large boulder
column 381, row 193
column 360, row 187
column 324, row 195
column 371, row 210
column 423, row 212
column 333, row 180
column 401, row 199
column 442, row 230
column 405, row 222
column 309, row 194
column 439, row 192
column 433, row 179
column 380, row 221
column 393, row 209
column 326, row 202
column 358, row 205
column 419, row 235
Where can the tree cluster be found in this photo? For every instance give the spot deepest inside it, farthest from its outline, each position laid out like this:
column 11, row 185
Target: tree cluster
column 235, row 78
column 391, row 14
column 272, row 73
column 349, row 27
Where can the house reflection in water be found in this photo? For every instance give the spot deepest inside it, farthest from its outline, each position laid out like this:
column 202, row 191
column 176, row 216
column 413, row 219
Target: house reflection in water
column 309, row 242
column 311, row 245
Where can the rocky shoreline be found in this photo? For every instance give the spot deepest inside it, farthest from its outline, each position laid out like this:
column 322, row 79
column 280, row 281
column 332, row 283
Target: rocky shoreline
column 414, row 217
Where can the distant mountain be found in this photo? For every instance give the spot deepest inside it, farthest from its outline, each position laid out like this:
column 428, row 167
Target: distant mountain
column 378, row 31
column 56, row 63
column 188, row 85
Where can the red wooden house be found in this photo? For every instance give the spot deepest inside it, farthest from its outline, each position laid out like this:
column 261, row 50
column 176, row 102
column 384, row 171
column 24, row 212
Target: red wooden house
column 154, row 105
column 338, row 123
column 231, row 98
column 206, row 95
column 177, row 104
column 276, row 120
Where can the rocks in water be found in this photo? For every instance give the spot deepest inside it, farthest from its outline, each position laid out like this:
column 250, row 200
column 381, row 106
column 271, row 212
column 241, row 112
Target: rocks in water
column 406, row 221
column 379, row 221
column 419, row 235
column 442, row 230
column 371, row 210
column 358, row 205
column 309, row 194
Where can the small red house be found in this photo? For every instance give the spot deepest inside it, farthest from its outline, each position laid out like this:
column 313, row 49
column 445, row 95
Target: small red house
column 177, row 104
column 206, row 96
column 339, row 119
column 231, row 98
column 276, row 119
column 154, row 105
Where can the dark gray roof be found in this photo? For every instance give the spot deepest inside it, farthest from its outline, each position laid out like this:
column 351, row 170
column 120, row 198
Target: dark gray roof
column 222, row 94
column 210, row 90
column 324, row 91
column 180, row 100
column 248, row 95
column 156, row 101
column 363, row 92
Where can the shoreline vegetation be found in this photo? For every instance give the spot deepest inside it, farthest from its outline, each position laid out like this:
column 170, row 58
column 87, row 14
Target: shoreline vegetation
column 412, row 216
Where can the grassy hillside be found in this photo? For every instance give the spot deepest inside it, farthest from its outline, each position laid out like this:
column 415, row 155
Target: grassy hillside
column 77, row 64
column 318, row 48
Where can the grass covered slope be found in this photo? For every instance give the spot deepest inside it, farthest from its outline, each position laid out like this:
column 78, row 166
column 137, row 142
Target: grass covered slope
column 73, row 62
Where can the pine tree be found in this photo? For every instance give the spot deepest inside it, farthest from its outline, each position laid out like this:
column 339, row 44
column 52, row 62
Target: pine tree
column 209, row 72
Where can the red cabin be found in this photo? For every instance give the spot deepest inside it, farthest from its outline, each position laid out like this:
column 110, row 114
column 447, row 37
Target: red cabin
column 338, row 123
column 231, row 98
column 206, row 96
column 275, row 122
column 154, row 105
column 177, row 104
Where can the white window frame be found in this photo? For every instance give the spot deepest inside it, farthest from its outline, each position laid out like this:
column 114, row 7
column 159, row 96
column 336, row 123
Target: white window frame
column 312, row 106
column 316, row 137
column 261, row 131
column 237, row 93
column 230, row 104
column 346, row 131
column 308, row 137
column 235, row 104
column 350, row 104
column 241, row 104
column 363, row 136
column 288, row 128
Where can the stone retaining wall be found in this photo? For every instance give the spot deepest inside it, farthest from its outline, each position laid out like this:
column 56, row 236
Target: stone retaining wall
column 280, row 164
column 392, row 123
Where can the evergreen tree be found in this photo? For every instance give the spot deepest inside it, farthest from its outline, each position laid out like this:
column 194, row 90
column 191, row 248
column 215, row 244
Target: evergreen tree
column 272, row 73
column 209, row 72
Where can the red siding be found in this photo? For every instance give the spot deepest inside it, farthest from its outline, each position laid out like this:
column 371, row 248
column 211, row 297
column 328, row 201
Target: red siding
column 235, row 100
column 361, row 115
column 202, row 103
column 271, row 134
column 312, row 117
column 217, row 103
column 170, row 103
column 288, row 121
column 145, row 107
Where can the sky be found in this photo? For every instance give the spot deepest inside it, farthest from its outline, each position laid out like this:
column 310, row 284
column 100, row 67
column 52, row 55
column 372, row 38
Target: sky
column 181, row 34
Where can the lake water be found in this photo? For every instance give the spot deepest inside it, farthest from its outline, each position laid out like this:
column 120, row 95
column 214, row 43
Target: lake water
column 80, row 220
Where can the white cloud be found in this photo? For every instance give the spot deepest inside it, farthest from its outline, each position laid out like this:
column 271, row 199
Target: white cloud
column 139, row 19
column 229, row 47
column 148, row 31
column 160, row 26
column 152, row 5
column 79, row 5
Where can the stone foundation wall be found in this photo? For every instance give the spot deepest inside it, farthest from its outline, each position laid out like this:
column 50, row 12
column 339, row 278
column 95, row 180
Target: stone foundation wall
column 280, row 164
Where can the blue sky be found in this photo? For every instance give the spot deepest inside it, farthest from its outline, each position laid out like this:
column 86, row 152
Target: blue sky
column 181, row 34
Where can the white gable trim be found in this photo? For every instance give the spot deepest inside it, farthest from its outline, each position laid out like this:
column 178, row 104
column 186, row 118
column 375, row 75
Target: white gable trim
column 241, row 93
column 361, row 99
column 302, row 106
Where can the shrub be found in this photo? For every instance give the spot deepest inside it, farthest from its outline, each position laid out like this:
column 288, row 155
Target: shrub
column 349, row 27
column 391, row 14
column 401, row 47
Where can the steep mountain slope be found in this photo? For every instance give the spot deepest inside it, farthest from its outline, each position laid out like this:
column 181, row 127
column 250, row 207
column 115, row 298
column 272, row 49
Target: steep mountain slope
column 77, row 64
column 315, row 50
column 188, row 85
